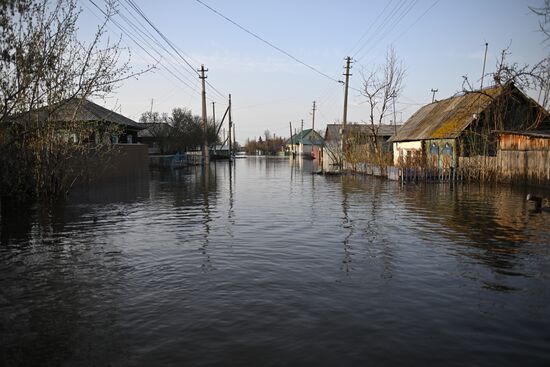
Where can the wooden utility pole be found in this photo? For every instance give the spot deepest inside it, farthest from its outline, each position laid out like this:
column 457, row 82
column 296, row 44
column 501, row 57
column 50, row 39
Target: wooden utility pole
column 234, row 137
column 434, row 91
column 484, row 61
column 229, row 131
column 302, row 126
column 313, row 118
column 214, row 112
column 345, row 117
column 205, row 158
column 394, row 115
column 214, row 124
column 290, row 139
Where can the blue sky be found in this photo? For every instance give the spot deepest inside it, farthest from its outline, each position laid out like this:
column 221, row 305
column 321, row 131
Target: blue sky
column 437, row 41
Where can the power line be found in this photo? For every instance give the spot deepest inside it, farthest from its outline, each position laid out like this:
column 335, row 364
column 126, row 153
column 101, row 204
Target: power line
column 176, row 49
column 267, row 42
column 123, row 30
column 142, row 14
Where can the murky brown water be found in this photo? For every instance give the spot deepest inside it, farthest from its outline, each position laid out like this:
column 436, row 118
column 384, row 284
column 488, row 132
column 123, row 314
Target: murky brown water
column 270, row 265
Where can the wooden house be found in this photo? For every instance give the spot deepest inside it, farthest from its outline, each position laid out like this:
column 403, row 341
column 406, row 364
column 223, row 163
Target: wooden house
column 440, row 133
column 307, row 143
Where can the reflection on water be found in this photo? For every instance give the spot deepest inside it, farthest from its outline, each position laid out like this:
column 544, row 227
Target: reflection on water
column 263, row 263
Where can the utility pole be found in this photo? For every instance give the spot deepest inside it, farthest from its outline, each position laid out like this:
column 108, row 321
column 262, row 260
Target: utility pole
column 302, row 126
column 484, row 61
column 151, row 112
column 290, row 139
column 394, row 115
column 214, row 123
column 313, row 118
column 434, row 91
column 229, row 131
column 205, row 158
column 345, row 117
column 214, row 112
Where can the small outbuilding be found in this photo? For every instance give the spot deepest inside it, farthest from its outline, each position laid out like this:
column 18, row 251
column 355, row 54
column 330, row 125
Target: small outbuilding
column 524, row 157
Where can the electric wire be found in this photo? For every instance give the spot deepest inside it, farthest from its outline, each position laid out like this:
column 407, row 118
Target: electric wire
column 124, row 31
column 267, row 42
column 171, row 44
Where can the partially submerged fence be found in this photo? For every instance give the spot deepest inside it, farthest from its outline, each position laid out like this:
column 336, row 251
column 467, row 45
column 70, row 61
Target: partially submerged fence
column 527, row 167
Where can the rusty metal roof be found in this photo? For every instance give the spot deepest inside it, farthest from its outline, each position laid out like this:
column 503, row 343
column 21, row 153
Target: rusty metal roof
column 446, row 119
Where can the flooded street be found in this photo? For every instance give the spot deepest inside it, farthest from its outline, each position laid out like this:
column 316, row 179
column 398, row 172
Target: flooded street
column 268, row 264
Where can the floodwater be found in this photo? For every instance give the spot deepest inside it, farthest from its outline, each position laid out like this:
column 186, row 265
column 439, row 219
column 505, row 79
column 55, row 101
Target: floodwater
column 269, row 265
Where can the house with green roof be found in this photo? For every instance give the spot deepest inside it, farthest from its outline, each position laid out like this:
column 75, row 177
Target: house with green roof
column 307, row 143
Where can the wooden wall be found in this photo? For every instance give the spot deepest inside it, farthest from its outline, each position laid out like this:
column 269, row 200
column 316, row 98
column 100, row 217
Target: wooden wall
column 524, row 159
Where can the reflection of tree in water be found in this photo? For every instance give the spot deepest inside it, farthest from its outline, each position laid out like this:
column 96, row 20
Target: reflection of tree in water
column 347, row 223
column 376, row 244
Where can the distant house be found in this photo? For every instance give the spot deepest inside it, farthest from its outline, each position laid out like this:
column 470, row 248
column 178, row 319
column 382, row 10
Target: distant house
column 464, row 126
column 307, row 143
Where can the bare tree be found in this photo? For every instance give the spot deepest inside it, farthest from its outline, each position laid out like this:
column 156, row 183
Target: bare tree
column 42, row 66
column 380, row 86
column 544, row 13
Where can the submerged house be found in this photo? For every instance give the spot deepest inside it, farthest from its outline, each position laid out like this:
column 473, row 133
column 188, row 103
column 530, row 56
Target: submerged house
column 307, row 143
column 439, row 134
column 81, row 122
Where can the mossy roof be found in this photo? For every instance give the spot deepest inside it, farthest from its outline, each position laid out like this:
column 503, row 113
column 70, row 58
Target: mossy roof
column 446, row 119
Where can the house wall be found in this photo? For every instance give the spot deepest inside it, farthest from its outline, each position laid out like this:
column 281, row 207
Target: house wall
column 126, row 161
column 402, row 149
column 305, row 149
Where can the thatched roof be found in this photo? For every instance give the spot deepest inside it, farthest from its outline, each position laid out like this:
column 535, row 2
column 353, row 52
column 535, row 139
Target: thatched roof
column 446, row 119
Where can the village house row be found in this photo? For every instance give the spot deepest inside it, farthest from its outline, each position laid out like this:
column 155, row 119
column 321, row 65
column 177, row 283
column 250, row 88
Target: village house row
column 497, row 133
